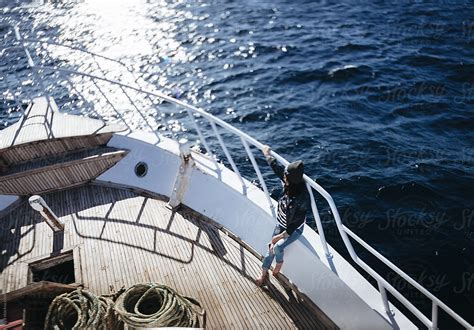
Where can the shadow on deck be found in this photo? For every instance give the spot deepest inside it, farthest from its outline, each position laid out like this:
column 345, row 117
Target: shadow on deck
column 125, row 238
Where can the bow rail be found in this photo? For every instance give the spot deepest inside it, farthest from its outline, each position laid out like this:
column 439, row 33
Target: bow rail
column 155, row 99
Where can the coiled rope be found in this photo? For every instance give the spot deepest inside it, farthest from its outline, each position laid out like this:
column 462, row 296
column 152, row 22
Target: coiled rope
column 157, row 305
column 80, row 309
column 142, row 305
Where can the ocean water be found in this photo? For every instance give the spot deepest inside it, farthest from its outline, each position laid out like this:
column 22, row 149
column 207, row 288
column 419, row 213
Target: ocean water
column 377, row 97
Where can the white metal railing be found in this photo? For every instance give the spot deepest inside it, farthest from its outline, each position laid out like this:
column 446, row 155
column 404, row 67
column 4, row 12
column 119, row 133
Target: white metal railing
column 248, row 141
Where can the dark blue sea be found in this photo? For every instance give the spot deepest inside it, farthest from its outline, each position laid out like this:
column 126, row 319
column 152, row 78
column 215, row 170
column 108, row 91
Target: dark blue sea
column 377, row 98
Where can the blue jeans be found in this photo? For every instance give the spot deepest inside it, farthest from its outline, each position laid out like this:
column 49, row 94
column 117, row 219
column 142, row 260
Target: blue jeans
column 279, row 247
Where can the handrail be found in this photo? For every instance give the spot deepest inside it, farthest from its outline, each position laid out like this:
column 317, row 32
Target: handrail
column 345, row 233
column 83, row 50
column 94, row 55
column 436, row 301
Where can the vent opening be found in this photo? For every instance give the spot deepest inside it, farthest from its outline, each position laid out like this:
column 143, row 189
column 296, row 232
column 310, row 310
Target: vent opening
column 141, row 169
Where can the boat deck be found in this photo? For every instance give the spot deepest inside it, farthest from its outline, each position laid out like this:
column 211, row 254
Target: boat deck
column 120, row 238
column 42, row 121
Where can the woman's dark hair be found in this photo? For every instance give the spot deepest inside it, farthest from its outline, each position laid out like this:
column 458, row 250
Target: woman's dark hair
column 293, row 189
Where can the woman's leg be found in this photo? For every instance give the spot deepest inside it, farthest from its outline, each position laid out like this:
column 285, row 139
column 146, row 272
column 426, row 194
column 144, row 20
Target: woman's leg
column 280, row 248
column 268, row 259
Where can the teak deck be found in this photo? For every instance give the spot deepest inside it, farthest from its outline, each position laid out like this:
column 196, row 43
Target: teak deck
column 47, row 150
column 120, row 238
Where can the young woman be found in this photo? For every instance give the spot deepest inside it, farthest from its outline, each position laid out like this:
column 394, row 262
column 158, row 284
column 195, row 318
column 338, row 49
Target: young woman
column 291, row 215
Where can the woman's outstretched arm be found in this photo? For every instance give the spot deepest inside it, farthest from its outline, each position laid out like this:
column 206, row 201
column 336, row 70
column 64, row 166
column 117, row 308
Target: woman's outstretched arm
column 276, row 167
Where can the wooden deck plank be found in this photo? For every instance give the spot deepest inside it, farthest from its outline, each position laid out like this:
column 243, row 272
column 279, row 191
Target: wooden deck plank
column 111, row 255
column 120, row 272
column 59, row 175
column 111, row 230
column 217, row 273
column 105, row 263
column 144, row 241
column 201, row 263
column 231, row 297
column 249, row 295
column 255, row 305
column 134, row 261
column 206, row 241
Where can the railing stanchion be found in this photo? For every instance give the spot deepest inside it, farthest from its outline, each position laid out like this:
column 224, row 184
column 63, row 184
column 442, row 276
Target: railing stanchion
column 259, row 175
column 434, row 316
column 203, row 140
column 317, row 218
column 229, row 157
column 383, row 293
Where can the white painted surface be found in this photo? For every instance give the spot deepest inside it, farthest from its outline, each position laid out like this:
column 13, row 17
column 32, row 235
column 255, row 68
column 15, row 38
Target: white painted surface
column 6, row 201
column 336, row 287
column 163, row 163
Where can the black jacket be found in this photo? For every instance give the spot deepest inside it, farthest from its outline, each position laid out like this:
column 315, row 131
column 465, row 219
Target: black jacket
column 298, row 205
